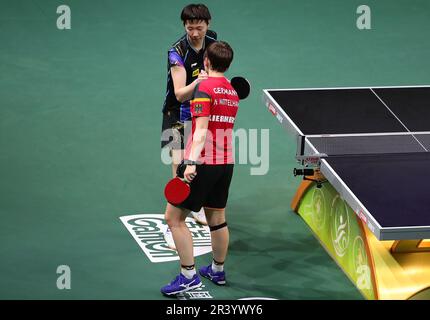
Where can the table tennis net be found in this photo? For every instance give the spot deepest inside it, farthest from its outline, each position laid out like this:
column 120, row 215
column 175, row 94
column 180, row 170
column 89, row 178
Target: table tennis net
column 366, row 144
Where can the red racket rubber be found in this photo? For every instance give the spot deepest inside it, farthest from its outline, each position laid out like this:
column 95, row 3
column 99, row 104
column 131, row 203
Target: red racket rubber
column 176, row 191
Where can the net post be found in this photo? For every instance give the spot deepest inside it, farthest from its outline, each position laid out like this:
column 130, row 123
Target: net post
column 300, row 151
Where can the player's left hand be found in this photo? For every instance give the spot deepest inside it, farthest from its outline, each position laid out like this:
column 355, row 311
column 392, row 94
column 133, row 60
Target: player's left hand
column 190, row 173
column 202, row 75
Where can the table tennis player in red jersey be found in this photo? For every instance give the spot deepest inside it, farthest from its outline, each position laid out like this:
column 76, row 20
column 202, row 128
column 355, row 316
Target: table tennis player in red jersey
column 208, row 167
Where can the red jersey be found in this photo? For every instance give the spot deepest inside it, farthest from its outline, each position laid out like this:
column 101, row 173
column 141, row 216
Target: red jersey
column 215, row 98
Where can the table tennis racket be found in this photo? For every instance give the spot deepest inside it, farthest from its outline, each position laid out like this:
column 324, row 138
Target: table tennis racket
column 242, row 87
column 176, row 191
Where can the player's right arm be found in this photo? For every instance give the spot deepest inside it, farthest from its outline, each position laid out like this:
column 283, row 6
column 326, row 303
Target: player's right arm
column 183, row 92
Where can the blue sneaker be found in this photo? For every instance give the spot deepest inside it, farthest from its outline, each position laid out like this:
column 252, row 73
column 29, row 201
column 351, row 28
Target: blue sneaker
column 216, row 277
column 181, row 284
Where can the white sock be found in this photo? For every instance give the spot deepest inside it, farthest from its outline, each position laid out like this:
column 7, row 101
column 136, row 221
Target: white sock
column 217, row 267
column 188, row 273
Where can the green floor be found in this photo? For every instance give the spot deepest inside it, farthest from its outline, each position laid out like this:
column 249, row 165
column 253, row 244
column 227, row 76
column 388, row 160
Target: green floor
column 79, row 137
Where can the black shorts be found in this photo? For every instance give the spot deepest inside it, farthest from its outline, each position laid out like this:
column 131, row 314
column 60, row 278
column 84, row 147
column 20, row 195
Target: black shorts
column 209, row 188
column 172, row 134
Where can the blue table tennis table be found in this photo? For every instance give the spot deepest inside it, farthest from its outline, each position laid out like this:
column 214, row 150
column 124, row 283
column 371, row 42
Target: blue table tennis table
column 365, row 160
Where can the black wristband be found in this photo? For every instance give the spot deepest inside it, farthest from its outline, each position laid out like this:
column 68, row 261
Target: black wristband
column 190, row 163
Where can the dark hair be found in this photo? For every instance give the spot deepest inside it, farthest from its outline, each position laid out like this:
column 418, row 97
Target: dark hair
column 220, row 55
column 195, row 12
